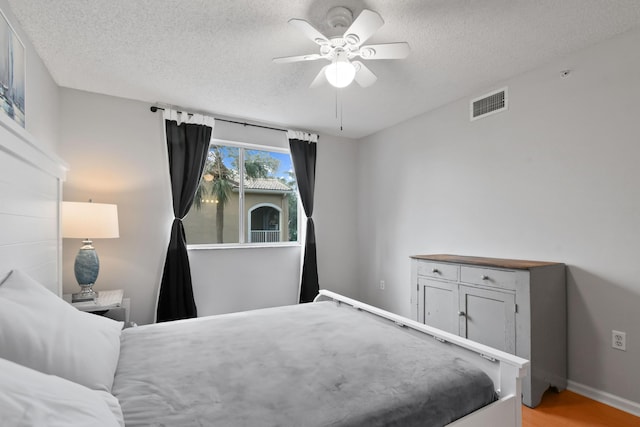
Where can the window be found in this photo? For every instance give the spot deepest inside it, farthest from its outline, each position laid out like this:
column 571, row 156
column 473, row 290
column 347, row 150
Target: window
column 256, row 203
column 264, row 223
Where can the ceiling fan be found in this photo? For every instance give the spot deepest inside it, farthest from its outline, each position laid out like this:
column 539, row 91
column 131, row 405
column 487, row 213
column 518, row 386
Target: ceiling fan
column 343, row 49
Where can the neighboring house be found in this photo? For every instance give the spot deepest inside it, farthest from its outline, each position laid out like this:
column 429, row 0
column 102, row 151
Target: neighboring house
column 266, row 207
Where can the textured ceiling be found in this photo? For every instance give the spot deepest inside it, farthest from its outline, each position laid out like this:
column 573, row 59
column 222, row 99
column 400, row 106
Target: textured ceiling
column 215, row 56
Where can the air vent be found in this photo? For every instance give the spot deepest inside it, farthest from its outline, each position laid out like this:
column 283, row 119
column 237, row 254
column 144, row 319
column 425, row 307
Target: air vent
column 489, row 104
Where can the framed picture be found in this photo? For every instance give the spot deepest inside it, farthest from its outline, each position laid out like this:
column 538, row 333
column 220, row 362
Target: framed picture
column 12, row 72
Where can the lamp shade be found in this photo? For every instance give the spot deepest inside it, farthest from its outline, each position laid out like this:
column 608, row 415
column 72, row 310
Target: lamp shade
column 85, row 220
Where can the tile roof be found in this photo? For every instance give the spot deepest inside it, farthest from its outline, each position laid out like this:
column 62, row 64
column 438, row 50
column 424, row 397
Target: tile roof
column 269, row 184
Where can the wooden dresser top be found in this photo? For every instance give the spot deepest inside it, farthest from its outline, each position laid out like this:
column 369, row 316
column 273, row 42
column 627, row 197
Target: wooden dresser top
column 517, row 264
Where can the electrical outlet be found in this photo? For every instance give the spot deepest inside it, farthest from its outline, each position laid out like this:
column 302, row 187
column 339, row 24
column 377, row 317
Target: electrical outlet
column 382, row 284
column 619, row 340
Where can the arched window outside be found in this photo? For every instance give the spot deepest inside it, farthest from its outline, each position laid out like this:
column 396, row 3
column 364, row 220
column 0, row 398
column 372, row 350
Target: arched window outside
column 265, row 223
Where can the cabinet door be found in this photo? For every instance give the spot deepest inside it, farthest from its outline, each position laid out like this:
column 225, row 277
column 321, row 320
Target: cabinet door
column 488, row 317
column 437, row 304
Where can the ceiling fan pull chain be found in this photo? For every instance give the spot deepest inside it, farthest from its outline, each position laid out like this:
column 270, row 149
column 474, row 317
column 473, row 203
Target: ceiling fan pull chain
column 341, row 111
column 338, row 100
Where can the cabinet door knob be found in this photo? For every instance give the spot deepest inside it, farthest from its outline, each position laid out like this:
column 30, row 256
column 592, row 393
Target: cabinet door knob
column 435, row 270
column 484, row 277
column 461, row 313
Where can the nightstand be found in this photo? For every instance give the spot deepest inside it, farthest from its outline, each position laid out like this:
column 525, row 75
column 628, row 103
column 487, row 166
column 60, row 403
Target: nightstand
column 110, row 304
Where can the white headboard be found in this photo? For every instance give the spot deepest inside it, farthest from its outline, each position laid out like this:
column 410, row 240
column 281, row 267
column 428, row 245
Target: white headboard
column 30, row 194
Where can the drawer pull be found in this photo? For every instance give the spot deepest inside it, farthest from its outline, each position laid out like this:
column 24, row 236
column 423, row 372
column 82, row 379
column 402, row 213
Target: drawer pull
column 461, row 313
column 484, row 277
column 436, row 271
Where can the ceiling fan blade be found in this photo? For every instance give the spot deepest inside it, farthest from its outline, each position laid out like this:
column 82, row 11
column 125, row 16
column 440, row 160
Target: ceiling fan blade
column 385, row 51
column 367, row 23
column 320, row 78
column 364, row 76
column 309, row 31
column 286, row 59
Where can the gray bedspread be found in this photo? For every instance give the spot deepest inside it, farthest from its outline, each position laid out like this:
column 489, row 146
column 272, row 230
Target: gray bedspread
column 308, row 365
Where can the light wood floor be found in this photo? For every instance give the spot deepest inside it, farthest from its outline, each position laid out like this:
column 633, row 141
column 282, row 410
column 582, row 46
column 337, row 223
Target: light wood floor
column 568, row 409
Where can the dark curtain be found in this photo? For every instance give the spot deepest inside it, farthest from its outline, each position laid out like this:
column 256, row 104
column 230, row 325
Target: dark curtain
column 303, row 155
column 187, row 145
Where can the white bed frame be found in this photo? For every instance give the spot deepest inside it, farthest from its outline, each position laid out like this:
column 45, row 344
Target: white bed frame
column 31, row 179
column 505, row 370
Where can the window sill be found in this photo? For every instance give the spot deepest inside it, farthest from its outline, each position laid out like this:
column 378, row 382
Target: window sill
column 206, row 247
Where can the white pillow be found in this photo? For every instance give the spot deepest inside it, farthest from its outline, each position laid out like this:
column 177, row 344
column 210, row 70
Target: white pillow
column 43, row 332
column 112, row 403
column 30, row 398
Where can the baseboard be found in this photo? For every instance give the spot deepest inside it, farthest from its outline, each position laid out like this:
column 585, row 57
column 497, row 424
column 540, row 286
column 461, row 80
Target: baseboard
column 604, row 397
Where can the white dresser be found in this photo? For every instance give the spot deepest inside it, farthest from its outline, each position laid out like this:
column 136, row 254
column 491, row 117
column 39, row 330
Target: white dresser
column 513, row 305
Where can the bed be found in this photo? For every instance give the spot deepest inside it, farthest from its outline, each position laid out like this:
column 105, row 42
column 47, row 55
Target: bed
column 335, row 361
column 314, row 364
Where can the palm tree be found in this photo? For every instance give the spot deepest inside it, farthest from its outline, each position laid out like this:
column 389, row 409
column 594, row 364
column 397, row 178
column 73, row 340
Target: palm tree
column 217, row 182
column 221, row 187
column 292, row 199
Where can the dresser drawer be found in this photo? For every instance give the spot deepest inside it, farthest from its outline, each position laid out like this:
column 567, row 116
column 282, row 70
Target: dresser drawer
column 438, row 270
column 488, row 277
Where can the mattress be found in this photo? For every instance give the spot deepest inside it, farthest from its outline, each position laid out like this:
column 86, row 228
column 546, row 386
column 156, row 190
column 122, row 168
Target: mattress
column 318, row 364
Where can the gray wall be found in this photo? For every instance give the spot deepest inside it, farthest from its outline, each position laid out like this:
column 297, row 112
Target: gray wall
column 554, row 178
column 117, row 154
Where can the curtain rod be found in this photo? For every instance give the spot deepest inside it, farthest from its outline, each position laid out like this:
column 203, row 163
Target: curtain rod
column 154, row 109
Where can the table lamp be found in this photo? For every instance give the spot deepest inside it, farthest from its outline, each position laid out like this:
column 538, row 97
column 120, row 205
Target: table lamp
column 86, row 220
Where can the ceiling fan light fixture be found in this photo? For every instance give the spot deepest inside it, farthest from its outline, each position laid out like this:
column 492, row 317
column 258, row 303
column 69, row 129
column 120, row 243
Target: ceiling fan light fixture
column 343, row 47
column 340, row 73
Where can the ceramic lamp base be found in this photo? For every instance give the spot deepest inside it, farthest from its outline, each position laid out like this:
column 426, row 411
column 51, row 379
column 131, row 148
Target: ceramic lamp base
column 86, row 270
column 85, row 294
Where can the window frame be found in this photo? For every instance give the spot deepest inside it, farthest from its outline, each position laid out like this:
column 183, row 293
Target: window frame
column 241, row 202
